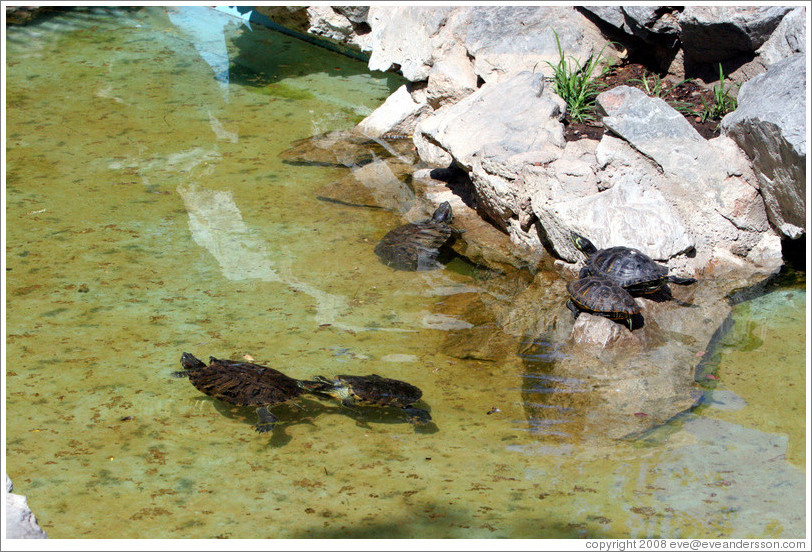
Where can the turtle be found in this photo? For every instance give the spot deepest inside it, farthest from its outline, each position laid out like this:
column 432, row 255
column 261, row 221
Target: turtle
column 374, row 390
column 416, row 246
column 244, row 384
column 602, row 296
column 632, row 269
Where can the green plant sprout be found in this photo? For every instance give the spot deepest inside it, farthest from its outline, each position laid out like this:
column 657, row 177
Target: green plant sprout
column 575, row 84
column 656, row 88
column 723, row 102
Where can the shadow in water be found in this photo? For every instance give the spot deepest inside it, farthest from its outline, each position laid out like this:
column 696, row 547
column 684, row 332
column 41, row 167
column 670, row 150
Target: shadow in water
column 292, row 57
column 307, row 411
column 433, row 520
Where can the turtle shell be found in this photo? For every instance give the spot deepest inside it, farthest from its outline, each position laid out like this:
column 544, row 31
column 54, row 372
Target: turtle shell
column 601, row 295
column 416, row 246
column 375, row 390
column 244, row 383
column 630, row 268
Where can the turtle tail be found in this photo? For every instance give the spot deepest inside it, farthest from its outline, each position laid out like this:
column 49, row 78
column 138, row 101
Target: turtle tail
column 584, row 245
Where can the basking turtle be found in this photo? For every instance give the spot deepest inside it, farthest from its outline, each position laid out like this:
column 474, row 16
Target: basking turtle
column 374, row 390
column 602, row 296
column 416, row 246
column 630, row 268
column 244, row 384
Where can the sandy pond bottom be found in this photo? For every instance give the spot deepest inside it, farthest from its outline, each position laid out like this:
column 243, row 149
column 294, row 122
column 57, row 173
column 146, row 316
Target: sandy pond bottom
column 149, row 213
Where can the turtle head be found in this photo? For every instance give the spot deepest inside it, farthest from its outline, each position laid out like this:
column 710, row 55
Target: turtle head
column 584, row 245
column 442, row 213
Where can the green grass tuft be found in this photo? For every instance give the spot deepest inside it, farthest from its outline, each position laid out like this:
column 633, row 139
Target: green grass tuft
column 575, row 84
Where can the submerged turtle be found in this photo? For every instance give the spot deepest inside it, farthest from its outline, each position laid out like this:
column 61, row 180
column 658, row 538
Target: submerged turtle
column 602, row 296
column 374, row 390
column 416, row 246
column 632, row 269
column 244, row 384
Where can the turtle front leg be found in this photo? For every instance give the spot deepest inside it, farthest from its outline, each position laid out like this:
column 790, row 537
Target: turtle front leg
column 266, row 420
column 681, row 281
column 571, row 306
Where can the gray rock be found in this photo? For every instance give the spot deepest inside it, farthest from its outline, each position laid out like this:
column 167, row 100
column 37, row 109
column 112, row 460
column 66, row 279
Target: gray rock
column 327, row 22
column 397, row 115
column 614, row 15
column 508, row 39
column 649, row 124
column 767, row 126
column 788, row 38
column 629, row 213
column 20, row 520
column 451, row 79
column 653, row 23
column 520, row 113
column 489, row 134
column 717, row 33
column 355, row 14
column 403, row 35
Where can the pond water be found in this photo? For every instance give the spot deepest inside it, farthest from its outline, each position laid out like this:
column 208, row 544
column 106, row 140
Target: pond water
column 150, row 212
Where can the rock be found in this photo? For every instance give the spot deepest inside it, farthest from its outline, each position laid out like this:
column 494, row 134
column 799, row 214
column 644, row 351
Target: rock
column 647, row 22
column 630, row 213
column 729, row 211
column 597, row 380
column 788, row 38
column 345, row 149
column 520, row 113
column 398, row 115
column 402, row 35
column 354, row 14
column 451, row 79
column 20, row 520
column 613, row 15
column 767, row 127
column 650, row 125
column 504, row 40
column 326, row 21
column 481, row 242
column 716, row 33
column 600, row 331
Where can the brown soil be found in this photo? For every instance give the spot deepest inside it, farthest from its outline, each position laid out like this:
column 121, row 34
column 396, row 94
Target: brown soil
column 686, row 97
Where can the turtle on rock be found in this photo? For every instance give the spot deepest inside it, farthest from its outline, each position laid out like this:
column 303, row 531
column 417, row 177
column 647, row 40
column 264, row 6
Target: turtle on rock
column 630, row 268
column 602, row 296
column 416, row 246
column 244, row 384
column 374, row 390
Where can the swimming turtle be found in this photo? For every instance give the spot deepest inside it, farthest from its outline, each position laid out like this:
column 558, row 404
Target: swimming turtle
column 416, row 246
column 602, row 296
column 630, row 268
column 244, row 384
column 374, row 390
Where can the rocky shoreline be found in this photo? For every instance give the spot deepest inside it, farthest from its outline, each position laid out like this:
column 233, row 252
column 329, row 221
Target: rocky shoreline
column 481, row 113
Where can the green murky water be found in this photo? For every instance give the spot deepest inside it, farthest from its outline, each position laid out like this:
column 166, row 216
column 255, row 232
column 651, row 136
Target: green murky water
column 149, row 213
